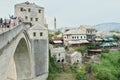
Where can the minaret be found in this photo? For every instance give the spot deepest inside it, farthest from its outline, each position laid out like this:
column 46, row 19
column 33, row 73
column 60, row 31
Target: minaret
column 55, row 23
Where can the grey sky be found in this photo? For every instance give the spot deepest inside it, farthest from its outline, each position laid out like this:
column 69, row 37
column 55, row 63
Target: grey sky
column 72, row 13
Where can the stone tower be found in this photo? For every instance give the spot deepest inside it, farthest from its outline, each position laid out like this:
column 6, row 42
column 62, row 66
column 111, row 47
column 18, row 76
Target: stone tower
column 30, row 12
column 38, row 34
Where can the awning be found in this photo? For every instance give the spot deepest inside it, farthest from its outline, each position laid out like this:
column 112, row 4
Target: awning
column 58, row 41
column 111, row 39
column 78, row 42
column 108, row 39
column 115, row 43
column 105, row 39
column 106, row 45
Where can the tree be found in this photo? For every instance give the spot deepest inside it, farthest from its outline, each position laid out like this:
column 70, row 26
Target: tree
column 81, row 49
column 58, row 32
column 50, row 36
column 116, row 37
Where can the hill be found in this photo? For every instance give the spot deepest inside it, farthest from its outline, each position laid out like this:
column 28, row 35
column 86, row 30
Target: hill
column 106, row 27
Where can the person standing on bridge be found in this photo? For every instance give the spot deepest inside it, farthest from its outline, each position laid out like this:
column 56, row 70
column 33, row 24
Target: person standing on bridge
column 5, row 23
column 1, row 22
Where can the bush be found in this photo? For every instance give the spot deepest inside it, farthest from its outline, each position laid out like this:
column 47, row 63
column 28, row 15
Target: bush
column 57, row 33
column 81, row 76
column 74, row 67
column 66, row 48
column 106, row 50
column 51, row 77
column 119, row 60
column 50, row 35
column 89, row 68
column 93, row 46
column 81, row 49
column 103, row 75
column 81, row 73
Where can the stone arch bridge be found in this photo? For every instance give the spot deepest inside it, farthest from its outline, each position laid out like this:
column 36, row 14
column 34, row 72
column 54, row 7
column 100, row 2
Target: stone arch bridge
column 18, row 60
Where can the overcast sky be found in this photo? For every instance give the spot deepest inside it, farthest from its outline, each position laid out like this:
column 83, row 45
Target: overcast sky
column 71, row 13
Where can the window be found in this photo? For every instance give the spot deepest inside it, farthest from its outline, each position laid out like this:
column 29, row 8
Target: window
column 26, row 17
column 84, row 37
column 73, row 37
column 29, row 10
column 39, row 11
column 21, row 9
column 77, row 37
column 31, row 19
column 36, row 19
column 58, row 60
column 62, row 60
column 59, row 54
column 81, row 37
column 34, row 33
column 41, row 34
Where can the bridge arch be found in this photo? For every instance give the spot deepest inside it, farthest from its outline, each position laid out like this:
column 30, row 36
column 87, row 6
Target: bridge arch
column 18, row 58
column 20, row 62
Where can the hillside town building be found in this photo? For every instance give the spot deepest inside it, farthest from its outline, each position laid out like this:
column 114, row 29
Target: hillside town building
column 74, row 57
column 58, row 53
column 75, row 37
column 90, row 32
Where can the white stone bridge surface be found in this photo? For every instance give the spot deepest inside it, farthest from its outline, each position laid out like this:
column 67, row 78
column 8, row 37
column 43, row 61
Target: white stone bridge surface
column 21, row 57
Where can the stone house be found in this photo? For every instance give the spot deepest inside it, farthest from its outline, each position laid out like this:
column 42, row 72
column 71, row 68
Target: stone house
column 75, row 37
column 58, row 53
column 74, row 57
column 90, row 31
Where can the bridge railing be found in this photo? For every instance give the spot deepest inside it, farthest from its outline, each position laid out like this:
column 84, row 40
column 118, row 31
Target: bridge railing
column 9, row 35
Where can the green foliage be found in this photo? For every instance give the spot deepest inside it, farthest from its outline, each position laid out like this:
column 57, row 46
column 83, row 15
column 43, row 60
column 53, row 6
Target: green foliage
column 58, row 32
column 66, row 48
column 103, row 74
column 74, row 67
column 89, row 67
column 81, row 49
column 109, row 67
column 92, row 46
column 105, row 50
column 115, row 31
column 50, row 36
column 119, row 49
column 51, row 77
column 52, row 67
column 81, row 76
column 116, row 37
column 119, row 60
column 81, row 73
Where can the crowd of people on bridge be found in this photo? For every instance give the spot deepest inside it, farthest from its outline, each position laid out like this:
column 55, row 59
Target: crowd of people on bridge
column 11, row 22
